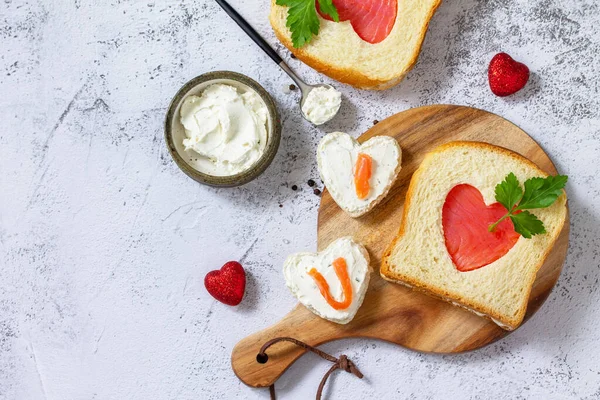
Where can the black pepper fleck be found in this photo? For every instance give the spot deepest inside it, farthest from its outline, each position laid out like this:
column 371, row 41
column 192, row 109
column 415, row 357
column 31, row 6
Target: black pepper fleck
column 293, row 55
column 375, row 122
column 311, row 183
column 317, row 192
column 292, row 87
column 294, row 187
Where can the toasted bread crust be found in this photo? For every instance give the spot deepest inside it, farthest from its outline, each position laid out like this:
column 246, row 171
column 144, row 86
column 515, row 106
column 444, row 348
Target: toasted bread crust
column 387, row 272
column 348, row 75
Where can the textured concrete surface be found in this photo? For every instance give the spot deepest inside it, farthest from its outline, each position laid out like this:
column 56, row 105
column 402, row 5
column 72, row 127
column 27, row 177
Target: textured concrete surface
column 104, row 242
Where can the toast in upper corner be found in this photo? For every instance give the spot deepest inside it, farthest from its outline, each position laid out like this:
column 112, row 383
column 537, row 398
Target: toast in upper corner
column 371, row 47
column 459, row 241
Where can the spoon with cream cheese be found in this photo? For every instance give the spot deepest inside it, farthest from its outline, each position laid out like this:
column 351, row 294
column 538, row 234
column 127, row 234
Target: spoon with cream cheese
column 319, row 103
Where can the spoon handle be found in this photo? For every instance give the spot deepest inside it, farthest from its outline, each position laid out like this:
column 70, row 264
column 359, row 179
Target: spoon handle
column 301, row 84
column 255, row 36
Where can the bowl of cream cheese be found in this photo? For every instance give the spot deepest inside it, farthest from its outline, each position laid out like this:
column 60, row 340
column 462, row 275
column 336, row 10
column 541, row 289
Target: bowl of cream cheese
column 222, row 129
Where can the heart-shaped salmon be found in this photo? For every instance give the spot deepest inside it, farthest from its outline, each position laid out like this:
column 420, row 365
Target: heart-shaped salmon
column 332, row 283
column 358, row 176
column 466, row 219
column 372, row 20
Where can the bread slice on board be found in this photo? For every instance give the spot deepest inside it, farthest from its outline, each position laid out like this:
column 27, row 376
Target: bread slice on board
column 418, row 256
column 341, row 54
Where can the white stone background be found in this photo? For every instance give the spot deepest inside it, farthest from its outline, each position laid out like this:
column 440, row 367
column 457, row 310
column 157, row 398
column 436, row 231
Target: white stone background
column 104, row 243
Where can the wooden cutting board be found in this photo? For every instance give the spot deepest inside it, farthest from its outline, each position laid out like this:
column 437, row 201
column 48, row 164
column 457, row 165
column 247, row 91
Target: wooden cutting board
column 392, row 312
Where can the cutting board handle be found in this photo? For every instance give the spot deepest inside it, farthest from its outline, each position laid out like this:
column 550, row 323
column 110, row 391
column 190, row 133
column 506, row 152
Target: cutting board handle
column 299, row 324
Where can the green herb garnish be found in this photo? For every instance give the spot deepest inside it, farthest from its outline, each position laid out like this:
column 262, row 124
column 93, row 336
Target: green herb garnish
column 303, row 20
column 539, row 193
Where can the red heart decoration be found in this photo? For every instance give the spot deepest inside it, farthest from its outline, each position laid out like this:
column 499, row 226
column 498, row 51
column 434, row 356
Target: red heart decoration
column 465, row 220
column 507, row 76
column 227, row 284
column 372, row 20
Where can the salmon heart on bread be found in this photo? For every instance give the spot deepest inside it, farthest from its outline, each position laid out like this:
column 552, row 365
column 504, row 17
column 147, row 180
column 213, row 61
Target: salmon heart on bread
column 332, row 283
column 373, row 46
column 358, row 176
column 372, row 20
column 445, row 247
column 466, row 220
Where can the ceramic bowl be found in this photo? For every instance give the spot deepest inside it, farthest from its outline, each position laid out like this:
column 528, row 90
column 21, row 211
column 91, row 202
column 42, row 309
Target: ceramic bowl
column 175, row 133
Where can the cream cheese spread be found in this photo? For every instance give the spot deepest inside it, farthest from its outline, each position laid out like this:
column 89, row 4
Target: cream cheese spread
column 321, row 104
column 226, row 127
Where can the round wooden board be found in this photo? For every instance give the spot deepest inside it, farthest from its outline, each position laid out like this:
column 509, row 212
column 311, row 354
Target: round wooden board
column 392, row 312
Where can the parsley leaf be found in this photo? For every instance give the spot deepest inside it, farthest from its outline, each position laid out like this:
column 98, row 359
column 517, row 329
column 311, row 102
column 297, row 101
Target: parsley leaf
column 327, row 7
column 527, row 224
column 508, row 192
column 303, row 20
column 542, row 193
column 539, row 193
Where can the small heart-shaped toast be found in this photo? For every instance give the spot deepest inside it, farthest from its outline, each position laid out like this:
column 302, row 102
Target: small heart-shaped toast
column 358, row 176
column 331, row 283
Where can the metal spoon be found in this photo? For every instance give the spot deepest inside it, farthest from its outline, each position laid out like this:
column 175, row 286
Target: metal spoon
column 305, row 88
column 255, row 36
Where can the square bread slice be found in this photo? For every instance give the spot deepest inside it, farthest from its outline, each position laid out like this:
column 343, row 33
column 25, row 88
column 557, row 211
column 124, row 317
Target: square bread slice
column 418, row 257
column 338, row 52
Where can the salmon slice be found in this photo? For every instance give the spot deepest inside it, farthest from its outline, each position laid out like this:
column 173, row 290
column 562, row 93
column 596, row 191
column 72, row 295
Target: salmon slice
column 465, row 220
column 372, row 20
column 362, row 174
column 341, row 271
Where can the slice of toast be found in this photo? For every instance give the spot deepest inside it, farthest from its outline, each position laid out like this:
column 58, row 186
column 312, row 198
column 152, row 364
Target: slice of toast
column 418, row 256
column 338, row 52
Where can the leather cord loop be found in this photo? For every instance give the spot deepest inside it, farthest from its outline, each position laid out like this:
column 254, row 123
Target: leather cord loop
column 342, row 362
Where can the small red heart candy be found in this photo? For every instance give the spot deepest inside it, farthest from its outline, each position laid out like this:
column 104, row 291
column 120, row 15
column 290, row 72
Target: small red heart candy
column 227, row 284
column 506, row 75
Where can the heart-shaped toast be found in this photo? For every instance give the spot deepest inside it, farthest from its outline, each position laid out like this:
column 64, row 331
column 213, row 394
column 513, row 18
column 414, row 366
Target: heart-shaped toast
column 358, row 176
column 372, row 20
column 465, row 220
column 331, row 283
